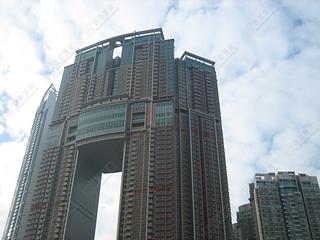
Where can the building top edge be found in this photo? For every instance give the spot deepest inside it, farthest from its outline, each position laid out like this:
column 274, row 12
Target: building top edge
column 121, row 37
column 195, row 57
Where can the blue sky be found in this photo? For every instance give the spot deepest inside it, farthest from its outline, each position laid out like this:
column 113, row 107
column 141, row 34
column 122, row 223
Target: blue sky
column 267, row 56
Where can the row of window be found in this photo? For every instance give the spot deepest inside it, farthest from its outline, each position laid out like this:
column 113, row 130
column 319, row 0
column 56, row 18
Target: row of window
column 164, row 113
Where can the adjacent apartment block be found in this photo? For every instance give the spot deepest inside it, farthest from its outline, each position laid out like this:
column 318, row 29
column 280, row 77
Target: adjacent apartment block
column 245, row 223
column 236, row 231
column 284, row 206
column 127, row 105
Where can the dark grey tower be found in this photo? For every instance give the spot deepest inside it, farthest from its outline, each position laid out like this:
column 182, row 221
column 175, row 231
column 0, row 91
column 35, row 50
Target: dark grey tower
column 154, row 118
column 285, row 206
column 26, row 184
column 245, row 223
column 309, row 188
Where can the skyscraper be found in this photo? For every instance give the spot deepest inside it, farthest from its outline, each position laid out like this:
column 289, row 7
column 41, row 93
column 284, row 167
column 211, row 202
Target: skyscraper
column 126, row 105
column 285, row 206
column 236, row 231
column 245, row 223
column 30, row 166
column 309, row 188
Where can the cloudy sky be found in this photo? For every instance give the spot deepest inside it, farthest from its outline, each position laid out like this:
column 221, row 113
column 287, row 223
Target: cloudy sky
column 267, row 56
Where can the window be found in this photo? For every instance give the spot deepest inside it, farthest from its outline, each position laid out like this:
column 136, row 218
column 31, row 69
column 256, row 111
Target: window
column 164, row 113
column 138, row 114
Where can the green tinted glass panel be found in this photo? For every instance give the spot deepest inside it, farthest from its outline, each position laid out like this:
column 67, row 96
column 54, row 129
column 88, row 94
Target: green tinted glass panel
column 53, row 136
column 164, row 113
column 166, row 52
column 103, row 120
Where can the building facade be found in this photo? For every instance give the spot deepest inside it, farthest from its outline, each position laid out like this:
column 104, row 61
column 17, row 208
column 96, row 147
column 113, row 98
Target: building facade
column 21, row 202
column 245, row 223
column 236, row 231
column 148, row 115
column 285, row 206
column 309, row 188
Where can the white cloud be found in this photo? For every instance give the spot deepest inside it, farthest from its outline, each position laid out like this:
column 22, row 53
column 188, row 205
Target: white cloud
column 267, row 55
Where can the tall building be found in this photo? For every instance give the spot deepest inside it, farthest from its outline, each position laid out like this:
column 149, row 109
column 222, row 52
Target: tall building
column 245, row 223
column 285, row 206
column 309, row 188
column 26, row 183
column 126, row 105
column 236, row 231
